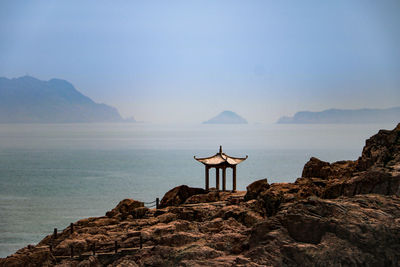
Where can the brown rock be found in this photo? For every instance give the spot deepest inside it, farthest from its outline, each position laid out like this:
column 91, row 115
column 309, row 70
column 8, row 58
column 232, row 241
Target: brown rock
column 255, row 188
column 370, row 182
column 139, row 213
column 362, row 230
column 125, row 208
column 316, row 168
column 178, row 195
column 178, row 239
column 381, row 150
column 29, row 257
column 90, row 262
column 212, row 196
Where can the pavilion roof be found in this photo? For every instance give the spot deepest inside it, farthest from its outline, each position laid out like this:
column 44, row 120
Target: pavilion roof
column 220, row 159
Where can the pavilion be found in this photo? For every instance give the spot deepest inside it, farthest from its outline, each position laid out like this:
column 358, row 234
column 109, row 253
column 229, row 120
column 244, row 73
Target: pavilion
column 221, row 161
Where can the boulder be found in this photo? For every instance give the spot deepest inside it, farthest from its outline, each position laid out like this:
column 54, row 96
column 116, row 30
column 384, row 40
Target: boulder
column 316, row 168
column 124, row 208
column 255, row 188
column 178, row 195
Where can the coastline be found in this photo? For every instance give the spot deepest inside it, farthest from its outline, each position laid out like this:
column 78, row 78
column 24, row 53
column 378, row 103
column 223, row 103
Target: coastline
column 335, row 213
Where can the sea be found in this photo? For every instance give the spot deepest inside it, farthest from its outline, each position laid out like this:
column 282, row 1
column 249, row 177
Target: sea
column 55, row 174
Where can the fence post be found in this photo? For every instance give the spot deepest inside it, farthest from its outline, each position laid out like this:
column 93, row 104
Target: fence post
column 94, row 249
column 55, row 233
column 51, row 248
column 115, row 247
column 141, row 241
column 71, row 228
column 157, row 202
column 72, row 251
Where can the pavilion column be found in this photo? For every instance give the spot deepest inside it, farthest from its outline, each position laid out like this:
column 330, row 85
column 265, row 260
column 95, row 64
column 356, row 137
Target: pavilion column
column 207, row 178
column 224, row 179
column 234, row 178
column 217, row 178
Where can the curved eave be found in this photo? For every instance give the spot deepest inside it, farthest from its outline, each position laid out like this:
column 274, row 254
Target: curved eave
column 235, row 161
column 219, row 159
column 199, row 159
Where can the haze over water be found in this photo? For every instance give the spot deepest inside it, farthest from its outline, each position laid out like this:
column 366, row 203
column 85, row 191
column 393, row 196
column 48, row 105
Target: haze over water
column 54, row 174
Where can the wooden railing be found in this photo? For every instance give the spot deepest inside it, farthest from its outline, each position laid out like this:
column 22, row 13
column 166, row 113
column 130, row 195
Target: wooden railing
column 98, row 248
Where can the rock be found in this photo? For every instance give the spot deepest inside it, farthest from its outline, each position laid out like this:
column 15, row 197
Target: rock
column 255, row 188
column 212, row 196
column 325, row 170
column 361, row 230
column 241, row 214
column 125, row 208
column 178, row 239
column 369, row 182
column 125, row 262
column 166, row 217
column 90, row 262
column 381, row 150
column 139, row 213
column 178, row 195
column 316, row 168
column 198, row 252
column 29, row 257
column 271, row 200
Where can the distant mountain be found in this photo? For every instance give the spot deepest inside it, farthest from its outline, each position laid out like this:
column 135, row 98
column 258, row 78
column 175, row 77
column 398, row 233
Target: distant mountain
column 227, row 117
column 29, row 100
column 345, row 116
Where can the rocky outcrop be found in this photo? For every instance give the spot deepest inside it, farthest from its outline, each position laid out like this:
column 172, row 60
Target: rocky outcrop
column 255, row 188
column 325, row 170
column 178, row 195
column 128, row 207
column 345, row 213
column 29, row 256
column 376, row 171
column 381, row 151
column 358, row 231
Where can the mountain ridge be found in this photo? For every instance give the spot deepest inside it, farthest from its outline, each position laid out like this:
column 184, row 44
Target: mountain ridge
column 29, row 100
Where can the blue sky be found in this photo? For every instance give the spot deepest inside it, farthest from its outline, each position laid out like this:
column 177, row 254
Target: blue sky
column 185, row 61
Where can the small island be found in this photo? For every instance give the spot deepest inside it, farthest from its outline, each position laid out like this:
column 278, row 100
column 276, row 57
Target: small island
column 226, row 117
column 389, row 115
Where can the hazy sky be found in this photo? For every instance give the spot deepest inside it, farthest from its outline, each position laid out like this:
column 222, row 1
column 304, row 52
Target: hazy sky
column 180, row 61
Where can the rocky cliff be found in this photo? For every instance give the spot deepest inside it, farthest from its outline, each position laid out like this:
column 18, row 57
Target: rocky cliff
column 345, row 213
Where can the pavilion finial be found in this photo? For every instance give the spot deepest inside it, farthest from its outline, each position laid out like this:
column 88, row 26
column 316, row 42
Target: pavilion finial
column 220, row 149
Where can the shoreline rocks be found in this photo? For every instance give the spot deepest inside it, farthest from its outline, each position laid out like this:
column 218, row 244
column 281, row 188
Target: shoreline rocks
column 345, row 213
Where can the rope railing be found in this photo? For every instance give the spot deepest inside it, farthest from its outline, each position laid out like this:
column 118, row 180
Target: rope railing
column 99, row 246
column 152, row 204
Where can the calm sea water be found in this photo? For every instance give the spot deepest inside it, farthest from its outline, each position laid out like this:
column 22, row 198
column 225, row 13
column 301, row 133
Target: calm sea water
column 54, row 174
